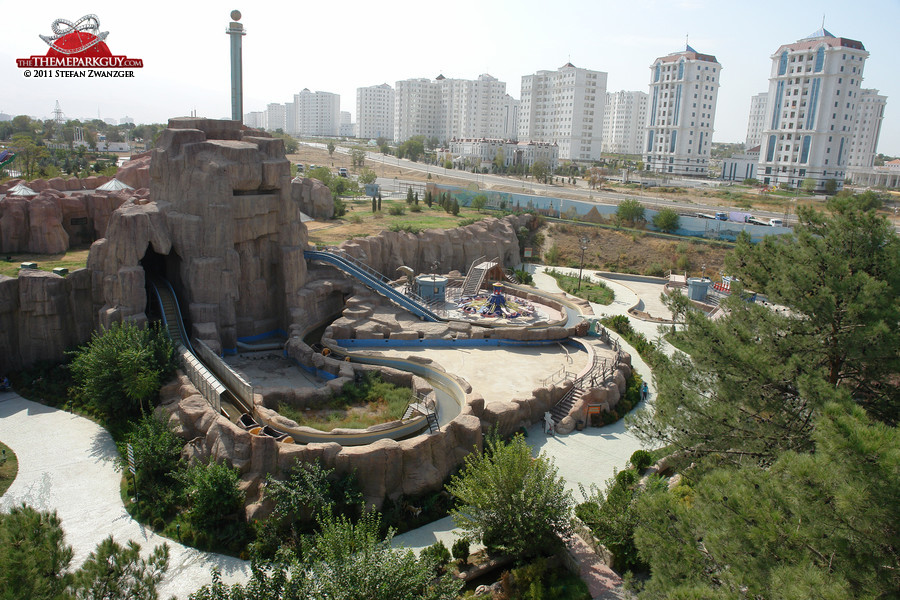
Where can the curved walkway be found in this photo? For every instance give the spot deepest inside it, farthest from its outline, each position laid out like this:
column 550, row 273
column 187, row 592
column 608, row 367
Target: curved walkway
column 66, row 464
column 73, row 472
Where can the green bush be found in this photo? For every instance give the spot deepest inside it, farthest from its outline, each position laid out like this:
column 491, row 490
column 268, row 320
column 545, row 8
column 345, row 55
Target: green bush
column 121, row 369
column 396, row 210
column 641, row 459
column 461, row 549
column 666, row 220
column 212, row 494
column 438, row 553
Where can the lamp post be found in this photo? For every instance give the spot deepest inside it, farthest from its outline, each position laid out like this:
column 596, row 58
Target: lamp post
column 584, row 244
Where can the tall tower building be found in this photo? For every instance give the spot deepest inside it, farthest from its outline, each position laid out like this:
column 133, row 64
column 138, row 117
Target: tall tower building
column 866, row 128
column 275, row 116
column 375, row 112
column 564, row 107
column 684, row 87
column 756, row 121
column 317, row 113
column 623, row 122
column 814, row 91
column 417, row 108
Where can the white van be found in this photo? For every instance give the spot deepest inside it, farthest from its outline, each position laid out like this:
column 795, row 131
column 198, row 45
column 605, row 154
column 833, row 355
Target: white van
column 776, row 223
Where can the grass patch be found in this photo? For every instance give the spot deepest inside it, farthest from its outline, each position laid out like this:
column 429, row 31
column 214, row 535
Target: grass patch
column 72, row 259
column 9, row 467
column 358, row 406
column 597, row 292
column 361, row 221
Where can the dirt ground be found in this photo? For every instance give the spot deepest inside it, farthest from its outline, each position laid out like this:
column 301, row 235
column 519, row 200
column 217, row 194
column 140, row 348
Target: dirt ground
column 630, row 251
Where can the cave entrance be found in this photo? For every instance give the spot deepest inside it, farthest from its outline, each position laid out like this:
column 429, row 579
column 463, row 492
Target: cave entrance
column 168, row 267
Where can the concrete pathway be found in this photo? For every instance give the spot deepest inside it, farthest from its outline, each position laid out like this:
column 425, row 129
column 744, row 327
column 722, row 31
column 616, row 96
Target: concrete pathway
column 66, row 464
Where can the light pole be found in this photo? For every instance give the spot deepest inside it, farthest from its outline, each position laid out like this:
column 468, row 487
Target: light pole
column 584, row 244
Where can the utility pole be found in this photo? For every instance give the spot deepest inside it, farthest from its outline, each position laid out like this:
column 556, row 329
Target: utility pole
column 236, row 32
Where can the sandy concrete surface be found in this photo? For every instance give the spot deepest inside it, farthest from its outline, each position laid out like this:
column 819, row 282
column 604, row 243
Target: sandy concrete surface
column 66, row 464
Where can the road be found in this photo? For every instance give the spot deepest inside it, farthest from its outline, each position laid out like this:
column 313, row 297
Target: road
column 529, row 186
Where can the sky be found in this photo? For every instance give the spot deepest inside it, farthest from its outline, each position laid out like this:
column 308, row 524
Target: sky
column 340, row 46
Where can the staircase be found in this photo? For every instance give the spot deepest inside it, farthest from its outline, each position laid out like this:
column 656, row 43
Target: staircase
column 475, row 277
column 421, row 408
column 562, row 408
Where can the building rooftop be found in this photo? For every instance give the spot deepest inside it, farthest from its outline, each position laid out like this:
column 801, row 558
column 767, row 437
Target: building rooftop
column 689, row 54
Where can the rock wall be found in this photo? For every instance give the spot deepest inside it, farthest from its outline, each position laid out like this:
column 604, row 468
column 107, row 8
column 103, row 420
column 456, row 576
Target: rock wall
column 42, row 315
column 385, row 469
column 52, row 221
column 313, row 197
column 220, row 225
column 441, row 250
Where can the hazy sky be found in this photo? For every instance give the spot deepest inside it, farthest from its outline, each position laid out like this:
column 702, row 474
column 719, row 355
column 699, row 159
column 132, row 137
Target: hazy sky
column 339, row 46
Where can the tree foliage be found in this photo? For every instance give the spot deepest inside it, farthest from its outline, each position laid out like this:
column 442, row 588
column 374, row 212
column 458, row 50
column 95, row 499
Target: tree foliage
column 412, row 149
column 666, row 220
column 330, row 148
column 34, row 563
column 630, row 211
column 212, row 493
column 510, row 501
column 343, row 561
column 815, row 525
column 479, row 202
column 541, row 170
column 358, row 158
column 121, row 369
column 841, row 276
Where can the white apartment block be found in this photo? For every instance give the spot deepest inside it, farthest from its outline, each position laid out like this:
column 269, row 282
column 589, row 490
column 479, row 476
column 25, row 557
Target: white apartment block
column 564, row 107
column 684, row 87
column 756, row 121
column 275, row 117
column 866, row 128
column 347, row 127
column 447, row 108
column 317, row 114
column 482, row 152
column 814, row 92
column 417, row 109
column 623, row 122
column 256, row 120
column 375, row 112
column 473, row 108
column 510, row 117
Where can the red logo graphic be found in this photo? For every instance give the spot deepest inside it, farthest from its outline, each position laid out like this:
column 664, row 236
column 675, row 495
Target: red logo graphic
column 78, row 45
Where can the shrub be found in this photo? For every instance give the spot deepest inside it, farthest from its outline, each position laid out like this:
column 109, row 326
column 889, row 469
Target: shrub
column 438, row 553
column 396, row 210
column 641, row 459
column 511, row 501
column 666, row 220
column 340, row 209
column 630, row 211
column 121, row 369
column 461, row 549
column 212, row 494
column 415, row 208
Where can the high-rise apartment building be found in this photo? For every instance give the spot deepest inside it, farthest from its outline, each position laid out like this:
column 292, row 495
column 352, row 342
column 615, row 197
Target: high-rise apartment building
column 756, row 121
column 565, row 107
column 275, row 117
column 866, row 128
column 684, row 87
column 452, row 108
column 375, row 112
column 256, row 119
column 318, row 113
column 623, row 122
column 417, row 108
column 814, row 92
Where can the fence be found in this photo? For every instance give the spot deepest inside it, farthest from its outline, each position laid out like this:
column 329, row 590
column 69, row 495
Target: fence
column 209, row 387
column 237, row 384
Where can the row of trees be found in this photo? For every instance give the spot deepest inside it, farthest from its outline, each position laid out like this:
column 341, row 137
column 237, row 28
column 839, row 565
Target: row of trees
column 782, row 424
